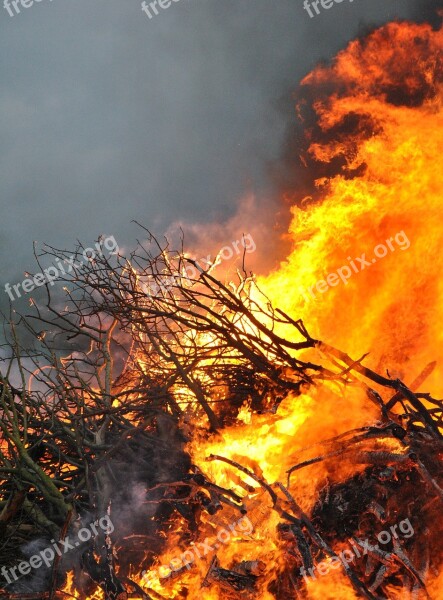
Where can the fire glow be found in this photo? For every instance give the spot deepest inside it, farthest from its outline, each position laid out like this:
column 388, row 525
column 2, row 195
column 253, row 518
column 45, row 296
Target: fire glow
column 379, row 125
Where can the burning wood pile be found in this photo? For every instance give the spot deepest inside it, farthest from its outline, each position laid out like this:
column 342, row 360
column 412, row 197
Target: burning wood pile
column 200, row 441
column 82, row 443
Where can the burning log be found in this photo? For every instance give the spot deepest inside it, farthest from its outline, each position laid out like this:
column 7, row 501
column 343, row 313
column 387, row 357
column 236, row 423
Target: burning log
column 233, row 580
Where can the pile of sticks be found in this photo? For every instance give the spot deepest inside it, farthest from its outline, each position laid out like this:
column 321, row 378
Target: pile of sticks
column 108, row 398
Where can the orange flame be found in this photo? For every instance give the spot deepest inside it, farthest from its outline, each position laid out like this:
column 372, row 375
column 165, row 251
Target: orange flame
column 383, row 203
column 392, row 79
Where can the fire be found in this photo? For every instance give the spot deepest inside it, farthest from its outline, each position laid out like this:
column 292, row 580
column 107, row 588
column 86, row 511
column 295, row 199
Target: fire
column 71, row 592
column 391, row 85
column 390, row 82
column 379, row 128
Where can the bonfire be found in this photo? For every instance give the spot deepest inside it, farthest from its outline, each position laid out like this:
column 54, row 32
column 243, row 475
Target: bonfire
column 267, row 437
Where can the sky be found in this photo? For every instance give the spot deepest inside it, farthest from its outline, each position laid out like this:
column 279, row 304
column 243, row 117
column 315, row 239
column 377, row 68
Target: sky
column 108, row 116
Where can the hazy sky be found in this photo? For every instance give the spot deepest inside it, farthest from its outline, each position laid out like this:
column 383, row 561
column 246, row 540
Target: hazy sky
column 108, row 116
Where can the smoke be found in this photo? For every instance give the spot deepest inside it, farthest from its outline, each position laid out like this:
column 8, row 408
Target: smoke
column 132, row 482
column 154, row 130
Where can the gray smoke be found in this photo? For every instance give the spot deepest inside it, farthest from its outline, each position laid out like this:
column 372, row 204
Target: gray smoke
column 109, row 116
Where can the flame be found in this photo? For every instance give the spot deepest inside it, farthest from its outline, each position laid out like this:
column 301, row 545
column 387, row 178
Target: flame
column 391, row 307
column 70, row 591
column 384, row 198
